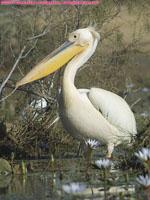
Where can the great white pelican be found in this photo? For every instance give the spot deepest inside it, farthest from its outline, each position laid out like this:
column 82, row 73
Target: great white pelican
column 86, row 113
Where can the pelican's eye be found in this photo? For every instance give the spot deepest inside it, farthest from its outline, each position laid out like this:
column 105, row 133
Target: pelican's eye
column 73, row 37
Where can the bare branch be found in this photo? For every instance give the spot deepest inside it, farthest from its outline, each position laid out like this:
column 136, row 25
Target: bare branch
column 30, row 49
column 8, row 95
column 66, row 30
column 137, row 101
column 12, row 51
column 39, row 94
column 54, row 121
column 78, row 9
column 13, row 68
column 117, row 12
column 40, row 35
column 1, row 44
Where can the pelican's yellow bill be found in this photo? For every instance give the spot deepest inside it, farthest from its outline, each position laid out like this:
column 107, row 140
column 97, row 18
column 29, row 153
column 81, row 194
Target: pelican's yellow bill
column 52, row 62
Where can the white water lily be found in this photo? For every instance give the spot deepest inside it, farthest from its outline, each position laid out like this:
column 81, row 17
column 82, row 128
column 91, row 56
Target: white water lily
column 93, row 144
column 74, row 188
column 144, row 181
column 144, row 154
column 103, row 164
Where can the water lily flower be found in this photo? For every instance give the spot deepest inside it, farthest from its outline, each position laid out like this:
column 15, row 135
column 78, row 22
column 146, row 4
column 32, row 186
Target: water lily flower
column 144, row 154
column 103, row 164
column 144, row 181
column 93, row 144
column 74, row 188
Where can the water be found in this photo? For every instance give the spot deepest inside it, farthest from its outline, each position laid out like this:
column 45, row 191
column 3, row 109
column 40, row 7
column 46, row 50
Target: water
column 46, row 181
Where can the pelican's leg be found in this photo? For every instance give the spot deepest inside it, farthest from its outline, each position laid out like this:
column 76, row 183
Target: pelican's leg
column 79, row 149
column 82, row 147
column 110, row 148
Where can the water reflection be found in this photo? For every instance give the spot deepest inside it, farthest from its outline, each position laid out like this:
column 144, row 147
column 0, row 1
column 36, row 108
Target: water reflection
column 46, row 183
column 48, row 186
column 28, row 187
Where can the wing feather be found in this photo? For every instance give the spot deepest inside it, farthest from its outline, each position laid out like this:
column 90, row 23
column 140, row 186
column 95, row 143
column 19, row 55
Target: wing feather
column 114, row 109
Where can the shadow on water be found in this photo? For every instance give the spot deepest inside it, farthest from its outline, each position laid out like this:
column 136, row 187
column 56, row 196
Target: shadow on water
column 46, row 182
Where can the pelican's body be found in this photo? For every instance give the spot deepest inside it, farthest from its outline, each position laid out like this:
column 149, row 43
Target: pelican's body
column 87, row 118
column 94, row 113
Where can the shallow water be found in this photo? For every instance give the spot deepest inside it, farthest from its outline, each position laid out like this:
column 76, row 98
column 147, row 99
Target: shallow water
column 46, row 181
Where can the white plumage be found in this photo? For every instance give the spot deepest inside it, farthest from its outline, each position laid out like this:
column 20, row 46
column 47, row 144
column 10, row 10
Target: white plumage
column 95, row 113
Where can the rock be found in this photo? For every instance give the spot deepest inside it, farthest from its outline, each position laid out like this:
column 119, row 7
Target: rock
column 5, row 167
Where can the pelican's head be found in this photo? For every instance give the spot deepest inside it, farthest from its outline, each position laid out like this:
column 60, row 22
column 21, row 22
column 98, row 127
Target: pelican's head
column 84, row 36
column 77, row 42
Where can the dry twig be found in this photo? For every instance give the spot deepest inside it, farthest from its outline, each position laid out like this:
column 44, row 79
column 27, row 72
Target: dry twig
column 13, row 68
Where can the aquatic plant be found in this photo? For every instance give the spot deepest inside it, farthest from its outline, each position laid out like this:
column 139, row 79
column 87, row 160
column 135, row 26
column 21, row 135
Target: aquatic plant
column 143, row 155
column 93, row 144
column 103, row 164
column 52, row 161
column 75, row 189
column 23, row 168
column 144, row 181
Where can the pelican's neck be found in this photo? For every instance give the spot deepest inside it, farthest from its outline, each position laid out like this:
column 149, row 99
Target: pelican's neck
column 74, row 65
column 69, row 91
column 71, row 70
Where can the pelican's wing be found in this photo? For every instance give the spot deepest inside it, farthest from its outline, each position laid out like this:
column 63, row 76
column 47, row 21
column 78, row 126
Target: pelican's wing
column 114, row 109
